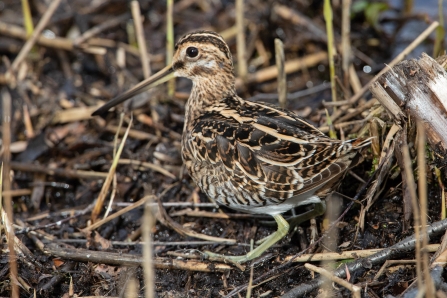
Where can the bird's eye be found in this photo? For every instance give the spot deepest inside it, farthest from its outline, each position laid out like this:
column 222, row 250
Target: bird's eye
column 192, row 52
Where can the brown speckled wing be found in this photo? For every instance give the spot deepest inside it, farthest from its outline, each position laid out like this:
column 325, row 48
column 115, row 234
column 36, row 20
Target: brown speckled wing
column 266, row 150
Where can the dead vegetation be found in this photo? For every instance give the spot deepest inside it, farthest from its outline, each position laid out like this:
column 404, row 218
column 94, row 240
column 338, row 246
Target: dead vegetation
column 81, row 195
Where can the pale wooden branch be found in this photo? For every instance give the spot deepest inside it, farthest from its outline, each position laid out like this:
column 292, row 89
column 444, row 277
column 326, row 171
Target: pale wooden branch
column 416, row 88
column 122, row 259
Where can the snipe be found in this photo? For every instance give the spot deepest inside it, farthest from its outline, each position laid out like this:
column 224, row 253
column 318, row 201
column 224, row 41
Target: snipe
column 249, row 156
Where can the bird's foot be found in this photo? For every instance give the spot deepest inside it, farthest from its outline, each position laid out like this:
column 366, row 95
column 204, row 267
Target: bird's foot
column 283, row 229
column 234, row 260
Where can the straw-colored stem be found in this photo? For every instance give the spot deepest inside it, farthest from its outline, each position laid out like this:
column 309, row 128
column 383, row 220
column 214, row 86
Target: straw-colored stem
column 422, row 187
column 32, row 40
column 6, row 185
column 250, row 281
column 148, row 266
column 346, row 42
column 331, row 215
column 131, row 34
column 356, row 290
column 330, row 45
column 282, row 83
column 138, row 23
column 27, row 18
column 116, row 214
column 332, row 133
column 240, row 38
column 114, row 182
column 443, row 205
column 408, row 6
column 131, row 288
column 440, row 31
column 170, row 42
column 416, row 215
column 105, row 187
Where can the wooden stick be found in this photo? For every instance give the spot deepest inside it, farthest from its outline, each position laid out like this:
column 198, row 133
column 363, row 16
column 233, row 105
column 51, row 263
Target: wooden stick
column 84, row 255
column 418, row 86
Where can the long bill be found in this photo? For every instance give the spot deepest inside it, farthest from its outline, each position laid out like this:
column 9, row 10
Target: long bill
column 160, row 77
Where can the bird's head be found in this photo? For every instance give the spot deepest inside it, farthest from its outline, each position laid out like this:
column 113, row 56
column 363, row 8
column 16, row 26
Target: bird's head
column 202, row 56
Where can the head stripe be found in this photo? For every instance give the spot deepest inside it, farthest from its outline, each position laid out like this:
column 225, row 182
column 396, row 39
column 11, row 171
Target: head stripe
column 206, row 37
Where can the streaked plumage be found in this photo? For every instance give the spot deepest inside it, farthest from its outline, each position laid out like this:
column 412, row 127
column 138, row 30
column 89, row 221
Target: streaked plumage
column 249, row 156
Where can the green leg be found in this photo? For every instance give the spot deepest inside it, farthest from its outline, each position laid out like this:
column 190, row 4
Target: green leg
column 283, row 229
column 318, row 210
column 294, row 221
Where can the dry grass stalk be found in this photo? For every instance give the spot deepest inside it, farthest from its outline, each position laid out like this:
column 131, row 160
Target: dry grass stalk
column 116, row 214
column 416, row 212
column 250, row 281
column 240, row 37
column 32, row 40
column 138, row 23
column 132, row 289
column 27, row 17
column 114, row 182
column 422, row 187
column 165, row 219
column 384, row 165
column 148, row 266
column 170, row 42
column 282, row 82
column 108, row 24
column 396, row 60
column 354, row 289
column 18, row 32
column 331, row 51
column 105, row 187
column 147, row 165
column 329, row 243
column 77, row 174
column 5, row 198
column 346, row 41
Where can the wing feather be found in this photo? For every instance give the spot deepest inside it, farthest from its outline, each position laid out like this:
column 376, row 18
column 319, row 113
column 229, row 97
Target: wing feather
column 273, row 151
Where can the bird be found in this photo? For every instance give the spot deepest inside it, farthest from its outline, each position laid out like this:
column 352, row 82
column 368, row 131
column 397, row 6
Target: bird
column 252, row 157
